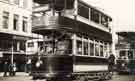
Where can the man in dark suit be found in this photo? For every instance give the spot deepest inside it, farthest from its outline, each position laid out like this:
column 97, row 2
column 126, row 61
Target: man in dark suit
column 5, row 68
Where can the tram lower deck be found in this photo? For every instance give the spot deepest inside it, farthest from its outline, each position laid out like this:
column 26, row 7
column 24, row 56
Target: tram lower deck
column 66, row 66
column 126, row 61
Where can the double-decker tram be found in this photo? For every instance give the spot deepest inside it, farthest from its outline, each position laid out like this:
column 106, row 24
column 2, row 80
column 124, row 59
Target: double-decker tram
column 76, row 41
column 126, row 61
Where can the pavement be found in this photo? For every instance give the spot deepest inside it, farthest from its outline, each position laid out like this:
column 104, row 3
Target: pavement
column 20, row 76
column 17, row 74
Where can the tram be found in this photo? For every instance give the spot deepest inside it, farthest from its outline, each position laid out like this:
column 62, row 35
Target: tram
column 126, row 62
column 76, row 43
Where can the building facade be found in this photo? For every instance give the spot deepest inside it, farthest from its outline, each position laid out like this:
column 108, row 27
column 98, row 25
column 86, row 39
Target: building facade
column 15, row 29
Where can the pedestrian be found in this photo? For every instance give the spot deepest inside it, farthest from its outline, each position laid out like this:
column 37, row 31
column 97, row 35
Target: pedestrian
column 5, row 68
column 28, row 65
column 111, row 63
column 131, row 66
column 10, row 69
column 14, row 69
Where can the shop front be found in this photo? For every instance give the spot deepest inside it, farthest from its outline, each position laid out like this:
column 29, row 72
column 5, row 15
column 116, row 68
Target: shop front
column 13, row 50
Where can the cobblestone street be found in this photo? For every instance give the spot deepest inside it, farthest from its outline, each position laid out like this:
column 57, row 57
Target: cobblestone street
column 26, row 77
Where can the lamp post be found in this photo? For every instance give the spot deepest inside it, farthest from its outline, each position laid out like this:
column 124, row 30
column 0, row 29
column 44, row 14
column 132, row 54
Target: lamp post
column 12, row 53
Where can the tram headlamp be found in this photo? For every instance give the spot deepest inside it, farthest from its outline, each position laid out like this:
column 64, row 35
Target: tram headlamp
column 38, row 64
column 47, row 75
column 123, row 65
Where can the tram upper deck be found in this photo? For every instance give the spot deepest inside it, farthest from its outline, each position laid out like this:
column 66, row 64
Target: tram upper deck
column 76, row 17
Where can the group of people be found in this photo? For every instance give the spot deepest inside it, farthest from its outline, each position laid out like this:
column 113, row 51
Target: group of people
column 9, row 67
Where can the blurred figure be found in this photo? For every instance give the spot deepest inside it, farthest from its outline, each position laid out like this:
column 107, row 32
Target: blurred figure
column 12, row 69
column 131, row 65
column 111, row 63
column 28, row 65
column 5, row 68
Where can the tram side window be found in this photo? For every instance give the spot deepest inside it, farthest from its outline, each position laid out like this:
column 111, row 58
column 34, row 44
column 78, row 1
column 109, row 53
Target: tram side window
column 96, row 49
column 30, row 44
column 101, row 50
column 85, row 47
column 105, row 51
column 79, row 47
column 104, row 20
column 122, row 53
column 130, row 54
column 83, row 10
column 91, row 49
column 95, row 15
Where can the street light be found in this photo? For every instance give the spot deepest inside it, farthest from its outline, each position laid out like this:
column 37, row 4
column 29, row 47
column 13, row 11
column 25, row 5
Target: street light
column 12, row 53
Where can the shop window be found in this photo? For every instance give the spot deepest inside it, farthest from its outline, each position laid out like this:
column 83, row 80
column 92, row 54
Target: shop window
column 5, row 20
column 5, row 45
column 16, row 22
column 83, row 10
column 15, row 46
column 79, row 47
column 91, row 49
column 85, row 47
column 22, row 46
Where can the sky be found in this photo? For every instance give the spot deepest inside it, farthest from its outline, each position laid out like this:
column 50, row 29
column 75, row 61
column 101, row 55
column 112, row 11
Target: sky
column 122, row 12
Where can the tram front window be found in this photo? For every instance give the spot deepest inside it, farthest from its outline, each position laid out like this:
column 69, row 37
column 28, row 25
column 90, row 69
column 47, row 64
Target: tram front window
column 122, row 53
column 64, row 47
column 60, row 47
column 130, row 54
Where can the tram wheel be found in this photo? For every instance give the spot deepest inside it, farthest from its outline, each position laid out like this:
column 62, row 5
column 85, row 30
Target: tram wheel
column 83, row 78
column 34, row 78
